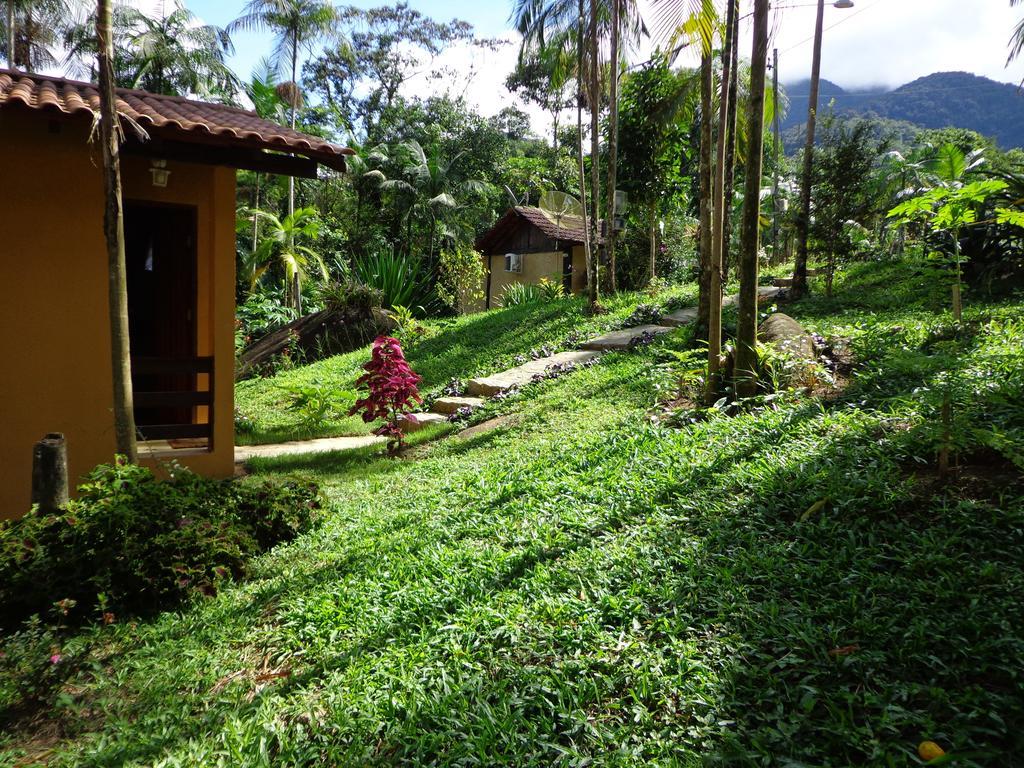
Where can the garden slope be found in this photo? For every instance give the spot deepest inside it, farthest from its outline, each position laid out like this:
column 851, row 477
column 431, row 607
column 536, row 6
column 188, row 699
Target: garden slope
column 587, row 587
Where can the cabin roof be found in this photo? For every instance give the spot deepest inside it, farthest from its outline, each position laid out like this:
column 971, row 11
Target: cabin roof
column 566, row 228
column 168, row 118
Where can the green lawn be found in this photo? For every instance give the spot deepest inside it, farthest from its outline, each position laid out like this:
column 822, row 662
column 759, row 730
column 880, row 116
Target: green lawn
column 584, row 587
column 464, row 347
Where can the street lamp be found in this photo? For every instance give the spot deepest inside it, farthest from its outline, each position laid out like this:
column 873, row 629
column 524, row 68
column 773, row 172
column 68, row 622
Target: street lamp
column 803, row 220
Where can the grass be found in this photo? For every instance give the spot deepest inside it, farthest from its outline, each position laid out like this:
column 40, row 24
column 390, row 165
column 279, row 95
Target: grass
column 462, row 348
column 587, row 587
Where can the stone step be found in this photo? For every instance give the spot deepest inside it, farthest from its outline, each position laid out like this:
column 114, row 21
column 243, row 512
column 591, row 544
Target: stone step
column 687, row 315
column 680, row 317
column 488, row 386
column 408, row 424
column 624, row 338
column 449, row 405
column 783, row 282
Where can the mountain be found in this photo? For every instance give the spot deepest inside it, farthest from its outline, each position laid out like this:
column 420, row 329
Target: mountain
column 940, row 100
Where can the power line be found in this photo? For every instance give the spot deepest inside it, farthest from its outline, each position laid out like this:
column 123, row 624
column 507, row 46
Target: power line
column 846, row 17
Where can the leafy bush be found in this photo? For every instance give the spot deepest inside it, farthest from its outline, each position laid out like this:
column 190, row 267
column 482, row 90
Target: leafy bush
column 461, row 279
column 518, row 294
column 132, row 543
column 644, row 314
column 399, row 279
column 550, row 290
column 260, row 314
column 391, row 390
column 317, row 401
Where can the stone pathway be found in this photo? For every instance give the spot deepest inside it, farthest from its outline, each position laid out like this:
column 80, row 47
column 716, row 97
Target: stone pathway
column 481, row 388
column 245, row 452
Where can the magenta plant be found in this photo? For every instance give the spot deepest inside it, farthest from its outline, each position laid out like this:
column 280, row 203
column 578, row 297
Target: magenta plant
column 391, row 391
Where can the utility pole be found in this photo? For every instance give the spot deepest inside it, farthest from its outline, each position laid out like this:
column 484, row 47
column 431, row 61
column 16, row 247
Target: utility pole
column 775, row 174
column 804, row 219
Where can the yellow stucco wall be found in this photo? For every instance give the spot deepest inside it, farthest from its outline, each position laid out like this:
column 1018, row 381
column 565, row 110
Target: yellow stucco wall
column 536, row 266
column 55, row 371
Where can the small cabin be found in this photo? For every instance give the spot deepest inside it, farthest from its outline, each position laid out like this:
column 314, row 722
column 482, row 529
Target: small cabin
column 178, row 164
column 528, row 244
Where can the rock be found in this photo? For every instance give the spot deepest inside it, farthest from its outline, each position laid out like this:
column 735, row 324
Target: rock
column 449, row 405
column 487, row 386
column 788, row 335
column 783, row 282
column 417, row 421
column 689, row 314
column 623, row 339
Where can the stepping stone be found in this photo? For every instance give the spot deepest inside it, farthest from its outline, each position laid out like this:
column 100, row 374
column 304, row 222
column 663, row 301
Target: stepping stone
column 422, row 420
column 680, row 317
column 488, row 386
column 623, row 339
column 449, row 405
column 487, row 426
column 689, row 314
column 783, row 282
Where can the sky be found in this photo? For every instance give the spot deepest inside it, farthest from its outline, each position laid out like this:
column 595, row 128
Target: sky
column 876, row 43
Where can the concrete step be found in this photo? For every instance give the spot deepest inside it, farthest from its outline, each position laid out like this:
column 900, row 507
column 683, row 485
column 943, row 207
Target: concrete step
column 488, row 386
column 449, row 405
column 624, row 338
column 408, row 424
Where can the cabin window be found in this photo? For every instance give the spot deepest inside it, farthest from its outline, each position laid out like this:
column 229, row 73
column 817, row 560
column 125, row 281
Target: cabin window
column 514, row 262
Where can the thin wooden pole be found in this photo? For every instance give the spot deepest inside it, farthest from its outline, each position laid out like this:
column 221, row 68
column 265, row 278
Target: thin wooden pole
column 803, row 221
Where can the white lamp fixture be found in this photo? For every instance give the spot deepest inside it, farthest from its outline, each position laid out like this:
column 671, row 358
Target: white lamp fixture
column 843, row 4
column 160, row 173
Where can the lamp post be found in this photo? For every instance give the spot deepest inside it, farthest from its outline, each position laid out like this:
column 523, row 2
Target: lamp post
column 804, row 219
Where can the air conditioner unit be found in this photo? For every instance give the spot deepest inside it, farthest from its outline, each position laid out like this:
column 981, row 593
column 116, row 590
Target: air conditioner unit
column 514, row 262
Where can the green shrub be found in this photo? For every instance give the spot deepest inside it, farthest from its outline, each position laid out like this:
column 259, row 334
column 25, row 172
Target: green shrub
column 399, row 279
column 517, row 294
column 131, row 543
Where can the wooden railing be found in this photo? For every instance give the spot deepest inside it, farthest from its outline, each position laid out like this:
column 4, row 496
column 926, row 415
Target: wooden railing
column 147, row 395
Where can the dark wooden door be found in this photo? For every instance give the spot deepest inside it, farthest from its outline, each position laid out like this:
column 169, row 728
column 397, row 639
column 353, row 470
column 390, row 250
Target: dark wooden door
column 162, row 268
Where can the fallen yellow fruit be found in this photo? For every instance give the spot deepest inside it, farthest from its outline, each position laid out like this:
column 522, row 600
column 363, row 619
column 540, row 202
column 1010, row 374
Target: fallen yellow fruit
column 929, row 750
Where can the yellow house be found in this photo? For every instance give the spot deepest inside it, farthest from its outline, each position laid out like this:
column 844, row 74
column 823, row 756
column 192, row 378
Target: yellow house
column 528, row 244
column 178, row 165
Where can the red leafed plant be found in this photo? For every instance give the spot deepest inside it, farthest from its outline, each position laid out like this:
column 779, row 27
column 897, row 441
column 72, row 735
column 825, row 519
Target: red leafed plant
column 391, row 390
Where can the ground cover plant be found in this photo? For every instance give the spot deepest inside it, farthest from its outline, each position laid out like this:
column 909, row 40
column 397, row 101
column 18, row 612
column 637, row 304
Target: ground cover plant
column 789, row 585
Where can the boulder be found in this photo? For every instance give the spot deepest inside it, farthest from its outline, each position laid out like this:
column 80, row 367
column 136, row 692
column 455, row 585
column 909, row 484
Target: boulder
column 788, row 335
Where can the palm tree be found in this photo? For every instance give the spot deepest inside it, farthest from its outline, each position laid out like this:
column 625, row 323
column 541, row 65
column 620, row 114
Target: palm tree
column 32, row 31
column 430, row 188
column 285, row 242
column 1017, row 39
column 174, row 55
column 746, row 332
column 113, row 231
column 298, row 24
column 617, row 23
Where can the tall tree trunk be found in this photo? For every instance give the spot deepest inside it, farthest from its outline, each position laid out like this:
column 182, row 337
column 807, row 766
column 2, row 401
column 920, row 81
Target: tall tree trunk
column 746, row 333
column 714, row 383
column 652, row 213
column 595, row 165
column 296, row 283
column 707, row 85
column 775, row 156
column 113, row 230
column 803, row 219
column 588, row 254
column 10, row 34
column 730, row 149
column 613, row 147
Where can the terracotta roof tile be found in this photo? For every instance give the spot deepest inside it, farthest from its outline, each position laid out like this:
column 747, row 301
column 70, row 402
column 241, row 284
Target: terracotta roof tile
column 194, row 120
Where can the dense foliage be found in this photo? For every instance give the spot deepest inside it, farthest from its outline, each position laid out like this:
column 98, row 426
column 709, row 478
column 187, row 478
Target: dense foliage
column 132, row 544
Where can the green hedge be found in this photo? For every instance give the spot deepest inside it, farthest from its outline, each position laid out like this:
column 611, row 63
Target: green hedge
column 130, row 543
